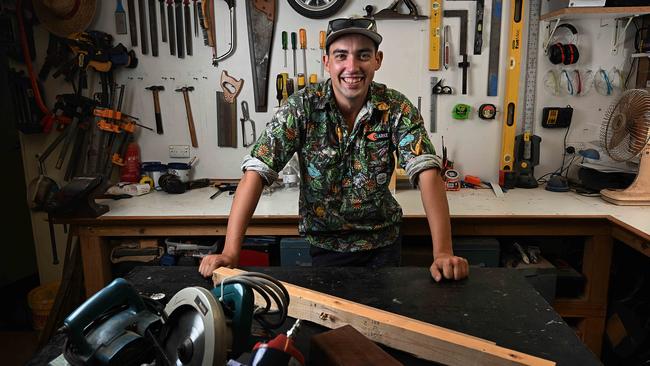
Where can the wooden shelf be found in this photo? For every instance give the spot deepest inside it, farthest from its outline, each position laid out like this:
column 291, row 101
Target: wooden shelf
column 595, row 12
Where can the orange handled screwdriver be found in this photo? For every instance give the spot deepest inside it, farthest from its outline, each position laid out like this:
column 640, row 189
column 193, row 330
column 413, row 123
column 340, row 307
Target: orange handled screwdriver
column 303, row 46
column 321, row 42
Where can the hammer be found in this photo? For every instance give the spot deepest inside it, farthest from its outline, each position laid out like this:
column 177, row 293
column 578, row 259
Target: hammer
column 188, row 109
column 156, row 105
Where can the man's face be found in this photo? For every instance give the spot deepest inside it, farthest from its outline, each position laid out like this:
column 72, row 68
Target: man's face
column 351, row 62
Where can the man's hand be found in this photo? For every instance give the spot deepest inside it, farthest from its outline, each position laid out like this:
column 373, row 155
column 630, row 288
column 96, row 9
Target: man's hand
column 449, row 266
column 213, row 261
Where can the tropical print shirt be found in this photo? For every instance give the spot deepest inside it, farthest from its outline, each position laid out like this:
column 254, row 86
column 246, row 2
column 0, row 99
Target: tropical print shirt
column 345, row 203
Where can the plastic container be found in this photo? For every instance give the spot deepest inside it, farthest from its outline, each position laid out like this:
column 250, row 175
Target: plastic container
column 130, row 172
column 40, row 300
column 181, row 170
column 154, row 170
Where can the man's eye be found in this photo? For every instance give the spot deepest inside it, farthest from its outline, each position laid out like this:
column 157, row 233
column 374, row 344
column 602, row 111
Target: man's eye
column 364, row 56
column 339, row 57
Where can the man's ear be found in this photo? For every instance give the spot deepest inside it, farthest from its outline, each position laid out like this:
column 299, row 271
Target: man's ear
column 379, row 56
column 326, row 63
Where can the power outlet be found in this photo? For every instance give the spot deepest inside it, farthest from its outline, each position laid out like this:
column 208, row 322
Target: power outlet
column 179, row 151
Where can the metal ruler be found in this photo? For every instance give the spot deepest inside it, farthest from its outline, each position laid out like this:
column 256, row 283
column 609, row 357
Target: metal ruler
column 507, row 176
column 435, row 22
column 532, row 42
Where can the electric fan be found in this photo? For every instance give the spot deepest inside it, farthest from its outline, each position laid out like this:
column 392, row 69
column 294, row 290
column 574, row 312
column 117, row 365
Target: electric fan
column 625, row 134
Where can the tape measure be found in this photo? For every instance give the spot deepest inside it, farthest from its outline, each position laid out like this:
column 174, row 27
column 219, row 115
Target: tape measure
column 487, row 111
column 461, row 111
column 511, row 99
column 452, row 180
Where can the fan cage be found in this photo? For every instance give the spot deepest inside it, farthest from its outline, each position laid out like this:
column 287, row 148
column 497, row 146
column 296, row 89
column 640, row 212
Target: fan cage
column 626, row 128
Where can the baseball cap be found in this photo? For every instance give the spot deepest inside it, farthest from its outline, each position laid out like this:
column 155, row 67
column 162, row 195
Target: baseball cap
column 342, row 26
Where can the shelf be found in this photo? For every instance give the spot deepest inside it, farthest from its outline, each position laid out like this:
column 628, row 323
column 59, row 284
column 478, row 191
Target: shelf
column 595, row 12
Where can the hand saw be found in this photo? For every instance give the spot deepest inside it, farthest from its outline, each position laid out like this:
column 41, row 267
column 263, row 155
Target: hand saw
column 227, row 110
column 260, row 15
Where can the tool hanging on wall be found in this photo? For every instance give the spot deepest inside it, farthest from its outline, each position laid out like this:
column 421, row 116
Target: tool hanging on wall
column 392, row 12
column 321, row 45
column 461, row 111
column 495, row 46
column 180, row 37
column 188, row 27
column 133, row 26
column 303, row 46
column 527, row 144
column 246, row 118
column 188, row 110
column 144, row 48
column 285, row 37
column 155, row 89
column 478, row 26
column 163, row 22
column 233, row 45
column 433, row 106
column 447, row 46
column 507, row 177
column 195, row 10
column 227, row 110
column 260, row 16
column 293, row 48
column 153, row 27
column 434, row 34
column 171, row 26
column 464, row 64
column 487, row 111
column 120, row 18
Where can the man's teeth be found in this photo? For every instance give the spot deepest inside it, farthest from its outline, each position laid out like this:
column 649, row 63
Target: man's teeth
column 352, row 80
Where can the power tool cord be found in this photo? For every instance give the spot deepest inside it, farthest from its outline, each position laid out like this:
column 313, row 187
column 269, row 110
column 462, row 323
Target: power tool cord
column 270, row 289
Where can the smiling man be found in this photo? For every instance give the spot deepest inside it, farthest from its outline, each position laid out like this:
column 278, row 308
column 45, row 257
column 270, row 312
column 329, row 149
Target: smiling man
column 346, row 131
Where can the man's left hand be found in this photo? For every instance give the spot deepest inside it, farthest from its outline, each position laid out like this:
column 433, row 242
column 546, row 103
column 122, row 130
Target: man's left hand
column 450, row 267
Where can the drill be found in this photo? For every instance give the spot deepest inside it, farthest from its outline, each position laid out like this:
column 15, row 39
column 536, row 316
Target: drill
column 278, row 351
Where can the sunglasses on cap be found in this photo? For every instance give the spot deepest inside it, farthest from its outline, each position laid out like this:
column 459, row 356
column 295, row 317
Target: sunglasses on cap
column 344, row 23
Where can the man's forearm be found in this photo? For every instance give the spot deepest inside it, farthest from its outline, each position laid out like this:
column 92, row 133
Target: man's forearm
column 434, row 200
column 246, row 197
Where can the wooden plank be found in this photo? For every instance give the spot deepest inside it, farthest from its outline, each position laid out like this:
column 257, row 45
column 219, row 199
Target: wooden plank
column 95, row 256
column 185, row 230
column 421, row 339
column 636, row 242
column 592, row 12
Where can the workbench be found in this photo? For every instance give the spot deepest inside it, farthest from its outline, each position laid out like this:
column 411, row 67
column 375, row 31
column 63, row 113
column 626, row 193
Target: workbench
column 495, row 304
column 474, row 212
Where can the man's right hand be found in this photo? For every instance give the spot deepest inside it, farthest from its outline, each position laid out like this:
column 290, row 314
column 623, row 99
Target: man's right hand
column 213, row 261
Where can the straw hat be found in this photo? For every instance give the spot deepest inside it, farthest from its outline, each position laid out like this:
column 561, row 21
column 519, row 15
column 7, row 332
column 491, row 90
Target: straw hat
column 63, row 17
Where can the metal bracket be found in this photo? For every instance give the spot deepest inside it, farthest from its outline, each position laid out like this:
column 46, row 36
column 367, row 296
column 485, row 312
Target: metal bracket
column 616, row 36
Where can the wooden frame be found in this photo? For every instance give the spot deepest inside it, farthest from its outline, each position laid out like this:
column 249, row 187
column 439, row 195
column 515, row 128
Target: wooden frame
column 423, row 340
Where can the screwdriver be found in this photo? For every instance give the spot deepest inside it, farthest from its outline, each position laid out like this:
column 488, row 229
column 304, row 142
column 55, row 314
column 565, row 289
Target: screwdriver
column 284, row 47
column 293, row 47
column 289, row 87
column 301, row 81
column 303, row 46
column 279, row 87
column 321, row 41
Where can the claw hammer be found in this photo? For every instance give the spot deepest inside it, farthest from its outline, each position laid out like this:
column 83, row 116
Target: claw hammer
column 188, row 108
column 155, row 89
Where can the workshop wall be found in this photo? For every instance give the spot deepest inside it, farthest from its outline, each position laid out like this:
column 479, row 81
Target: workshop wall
column 473, row 144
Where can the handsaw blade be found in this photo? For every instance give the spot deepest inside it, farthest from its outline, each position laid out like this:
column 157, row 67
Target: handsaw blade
column 133, row 28
column 163, row 24
column 260, row 17
column 226, row 122
column 153, row 27
column 180, row 38
column 188, row 28
column 172, row 29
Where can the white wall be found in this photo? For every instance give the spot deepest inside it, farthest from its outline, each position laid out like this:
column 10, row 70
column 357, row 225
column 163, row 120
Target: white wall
column 473, row 144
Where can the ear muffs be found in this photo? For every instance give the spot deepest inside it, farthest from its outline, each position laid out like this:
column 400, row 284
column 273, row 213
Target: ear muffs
column 565, row 53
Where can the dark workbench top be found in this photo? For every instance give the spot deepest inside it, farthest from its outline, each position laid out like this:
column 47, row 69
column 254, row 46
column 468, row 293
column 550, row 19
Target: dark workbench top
column 495, row 304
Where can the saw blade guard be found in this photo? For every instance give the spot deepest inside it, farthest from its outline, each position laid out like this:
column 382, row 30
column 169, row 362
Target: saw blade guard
column 195, row 332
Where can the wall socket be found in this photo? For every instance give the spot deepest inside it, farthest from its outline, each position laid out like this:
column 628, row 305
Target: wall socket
column 179, row 151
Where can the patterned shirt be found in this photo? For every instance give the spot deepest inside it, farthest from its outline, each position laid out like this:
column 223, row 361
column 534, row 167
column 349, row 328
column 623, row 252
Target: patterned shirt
column 345, row 204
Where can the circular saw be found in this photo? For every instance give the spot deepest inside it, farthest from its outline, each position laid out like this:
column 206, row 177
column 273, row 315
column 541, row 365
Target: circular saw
column 195, row 331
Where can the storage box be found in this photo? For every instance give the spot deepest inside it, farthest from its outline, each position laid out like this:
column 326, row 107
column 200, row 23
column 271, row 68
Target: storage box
column 479, row 251
column 294, row 252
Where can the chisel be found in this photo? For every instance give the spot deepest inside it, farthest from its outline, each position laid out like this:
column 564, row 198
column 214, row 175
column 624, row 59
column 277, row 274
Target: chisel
column 196, row 18
column 172, row 30
column 120, row 18
column 180, row 38
column 133, row 28
column 188, row 28
column 153, row 27
column 163, row 25
column 143, row 27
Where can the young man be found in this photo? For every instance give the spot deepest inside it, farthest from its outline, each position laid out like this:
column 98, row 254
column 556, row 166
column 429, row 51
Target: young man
column 345, row 131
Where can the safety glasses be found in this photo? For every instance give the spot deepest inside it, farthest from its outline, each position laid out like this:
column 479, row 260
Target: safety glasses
column 345, row 23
